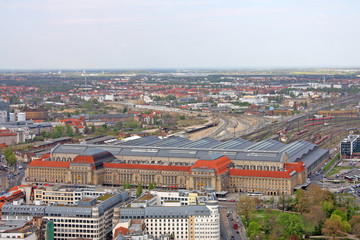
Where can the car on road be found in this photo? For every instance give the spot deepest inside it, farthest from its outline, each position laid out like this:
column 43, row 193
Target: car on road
column 232, row 200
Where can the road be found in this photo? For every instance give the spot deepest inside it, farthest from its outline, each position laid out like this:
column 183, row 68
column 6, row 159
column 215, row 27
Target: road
column 227, row 223
column 16, row 180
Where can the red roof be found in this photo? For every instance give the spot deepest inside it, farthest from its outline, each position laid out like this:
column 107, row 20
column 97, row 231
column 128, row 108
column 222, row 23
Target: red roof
column 220, row 165
column 298, row 166
column 8, row 134
column 41, row 163
column 119, row 230
column 259, row 173
column 147, row 166
column 1, row 204
column 84, row 159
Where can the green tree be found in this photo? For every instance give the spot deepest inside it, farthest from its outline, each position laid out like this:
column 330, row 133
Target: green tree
column 10, row 156
column 139, row 190
column 155, row 185
column 340, row 213
column 128, row 186
column 333, row 226
column 253, row 229
column 151, row 186
column 292, row 224
column 327, row 207
column 125, row 110
column 93, row 128
column 69, row 131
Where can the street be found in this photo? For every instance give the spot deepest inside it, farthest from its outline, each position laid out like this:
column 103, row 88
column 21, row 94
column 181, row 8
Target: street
column 227, row 223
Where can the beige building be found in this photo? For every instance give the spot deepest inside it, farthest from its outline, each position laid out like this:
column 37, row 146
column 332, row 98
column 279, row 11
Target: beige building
column 215, row 170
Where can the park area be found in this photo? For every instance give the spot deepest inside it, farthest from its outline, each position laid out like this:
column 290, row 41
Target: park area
column 311, row 214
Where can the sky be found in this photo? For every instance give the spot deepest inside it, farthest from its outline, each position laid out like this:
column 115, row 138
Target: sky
column 144, row 34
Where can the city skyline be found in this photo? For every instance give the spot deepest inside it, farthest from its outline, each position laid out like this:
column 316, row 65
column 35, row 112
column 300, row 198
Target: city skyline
column 62, row 34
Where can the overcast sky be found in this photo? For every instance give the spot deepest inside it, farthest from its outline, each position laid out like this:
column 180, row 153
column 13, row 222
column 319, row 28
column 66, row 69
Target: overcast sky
column 178, row 33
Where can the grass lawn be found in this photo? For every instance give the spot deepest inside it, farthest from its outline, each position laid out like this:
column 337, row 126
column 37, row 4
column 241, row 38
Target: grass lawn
column 336, row 170
column 260, row 214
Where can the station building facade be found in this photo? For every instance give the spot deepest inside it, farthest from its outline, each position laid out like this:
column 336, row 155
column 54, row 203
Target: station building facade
column 97, row 167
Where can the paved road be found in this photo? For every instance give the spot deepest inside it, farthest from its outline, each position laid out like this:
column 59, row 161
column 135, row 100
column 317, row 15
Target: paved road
column 227, row 225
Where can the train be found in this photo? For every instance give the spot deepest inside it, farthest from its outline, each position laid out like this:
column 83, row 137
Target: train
column 316, row 119
column 282, row 131
column 303, row 131
column 312, row 124
column 319, row 141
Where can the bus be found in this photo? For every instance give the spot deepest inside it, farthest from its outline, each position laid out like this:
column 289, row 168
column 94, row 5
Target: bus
column 255, row 194
column 236, row 225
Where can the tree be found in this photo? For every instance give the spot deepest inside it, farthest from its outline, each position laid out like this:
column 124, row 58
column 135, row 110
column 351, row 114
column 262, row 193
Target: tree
column 69, row 131
column 151, row 186
column 317, row 217
column 128, row 186
column 246, row 206
column 333, row 226
column 355, row 225
column 125, row 110
column 119, row 125
column 139, row 190
column 291, row 223
column 340, row 213
column 10, row 156
column 154, row 184
column 327, row 207
column 272, row 201
column 93, row 129
column 253, row 229
column 12, row 159
column 269, row 222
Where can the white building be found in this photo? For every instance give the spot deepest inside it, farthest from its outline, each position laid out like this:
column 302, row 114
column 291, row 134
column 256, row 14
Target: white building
column 89, row 219
column 193, row 222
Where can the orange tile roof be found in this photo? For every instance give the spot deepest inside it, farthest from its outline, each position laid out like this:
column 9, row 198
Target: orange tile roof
column 119, row 230
column 54, row 164
column 298, row 166
column 220, row 165
column 147, row 166
column 259, row 173
column 45, row 156
column 1, row 204
column 84, row 159
column 14, row 188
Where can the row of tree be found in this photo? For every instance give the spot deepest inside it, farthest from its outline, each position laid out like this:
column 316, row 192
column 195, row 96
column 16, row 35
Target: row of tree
column 139, row 188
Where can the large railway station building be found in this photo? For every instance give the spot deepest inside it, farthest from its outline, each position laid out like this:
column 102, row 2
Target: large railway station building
column 236, row 165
